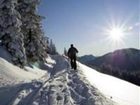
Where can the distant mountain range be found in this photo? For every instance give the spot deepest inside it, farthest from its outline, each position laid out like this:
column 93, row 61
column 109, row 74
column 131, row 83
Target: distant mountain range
column 86, row 59
column 123, row 63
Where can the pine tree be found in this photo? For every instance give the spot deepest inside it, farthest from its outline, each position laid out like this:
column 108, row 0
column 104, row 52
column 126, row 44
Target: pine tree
column 65, row 52
column 32, row 29
column 46, row 43
column 10, row 31
column 52, row 48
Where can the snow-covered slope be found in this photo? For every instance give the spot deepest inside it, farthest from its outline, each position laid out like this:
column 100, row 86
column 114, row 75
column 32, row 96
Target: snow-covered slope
column 118, row 90
column 10, row 74
column 65, row 86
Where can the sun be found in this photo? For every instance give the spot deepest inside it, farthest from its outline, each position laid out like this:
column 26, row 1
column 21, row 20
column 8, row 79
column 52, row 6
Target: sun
column 116, row 34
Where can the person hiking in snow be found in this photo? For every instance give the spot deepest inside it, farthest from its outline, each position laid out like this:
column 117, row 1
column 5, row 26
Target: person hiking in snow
column 72, row 55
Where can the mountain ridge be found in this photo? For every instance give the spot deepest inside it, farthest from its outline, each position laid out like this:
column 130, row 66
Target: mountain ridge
column 122, row 63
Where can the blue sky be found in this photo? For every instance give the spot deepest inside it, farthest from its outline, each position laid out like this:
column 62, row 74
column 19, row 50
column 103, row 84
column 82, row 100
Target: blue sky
column 84, row 23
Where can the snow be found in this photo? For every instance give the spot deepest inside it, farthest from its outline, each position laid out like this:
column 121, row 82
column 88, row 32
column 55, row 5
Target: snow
column 22, row 94
column 50, row 62
column 10, row 73
column 118, row 90
column 35, row 71
column 67, row 87
column 63, row 85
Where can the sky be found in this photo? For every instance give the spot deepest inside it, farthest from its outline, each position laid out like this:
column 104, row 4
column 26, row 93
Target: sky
column 87, row 23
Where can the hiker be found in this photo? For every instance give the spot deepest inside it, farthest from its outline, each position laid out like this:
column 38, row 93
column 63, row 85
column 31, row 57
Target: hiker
column 72, row 55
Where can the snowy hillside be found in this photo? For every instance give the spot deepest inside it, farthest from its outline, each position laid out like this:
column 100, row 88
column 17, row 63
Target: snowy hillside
column 61, row 85
column 10, row 74
column 118, row 90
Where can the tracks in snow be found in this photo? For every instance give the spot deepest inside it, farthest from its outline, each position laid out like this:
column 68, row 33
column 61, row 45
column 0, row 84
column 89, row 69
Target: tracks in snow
column 64, row 87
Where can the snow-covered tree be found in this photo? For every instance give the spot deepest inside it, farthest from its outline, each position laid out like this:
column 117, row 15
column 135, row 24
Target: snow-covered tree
column 52, row 48
column 32, row 29
column 10, row 31
column 46, row 43
column 65, row 51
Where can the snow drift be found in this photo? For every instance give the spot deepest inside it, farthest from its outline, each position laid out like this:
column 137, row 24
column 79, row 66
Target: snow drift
column 10, row 73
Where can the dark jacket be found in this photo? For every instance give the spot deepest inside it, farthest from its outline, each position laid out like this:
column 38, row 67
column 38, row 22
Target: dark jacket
column 72, row 52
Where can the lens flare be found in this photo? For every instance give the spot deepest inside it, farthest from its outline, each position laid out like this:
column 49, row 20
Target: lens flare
column 116, row 34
